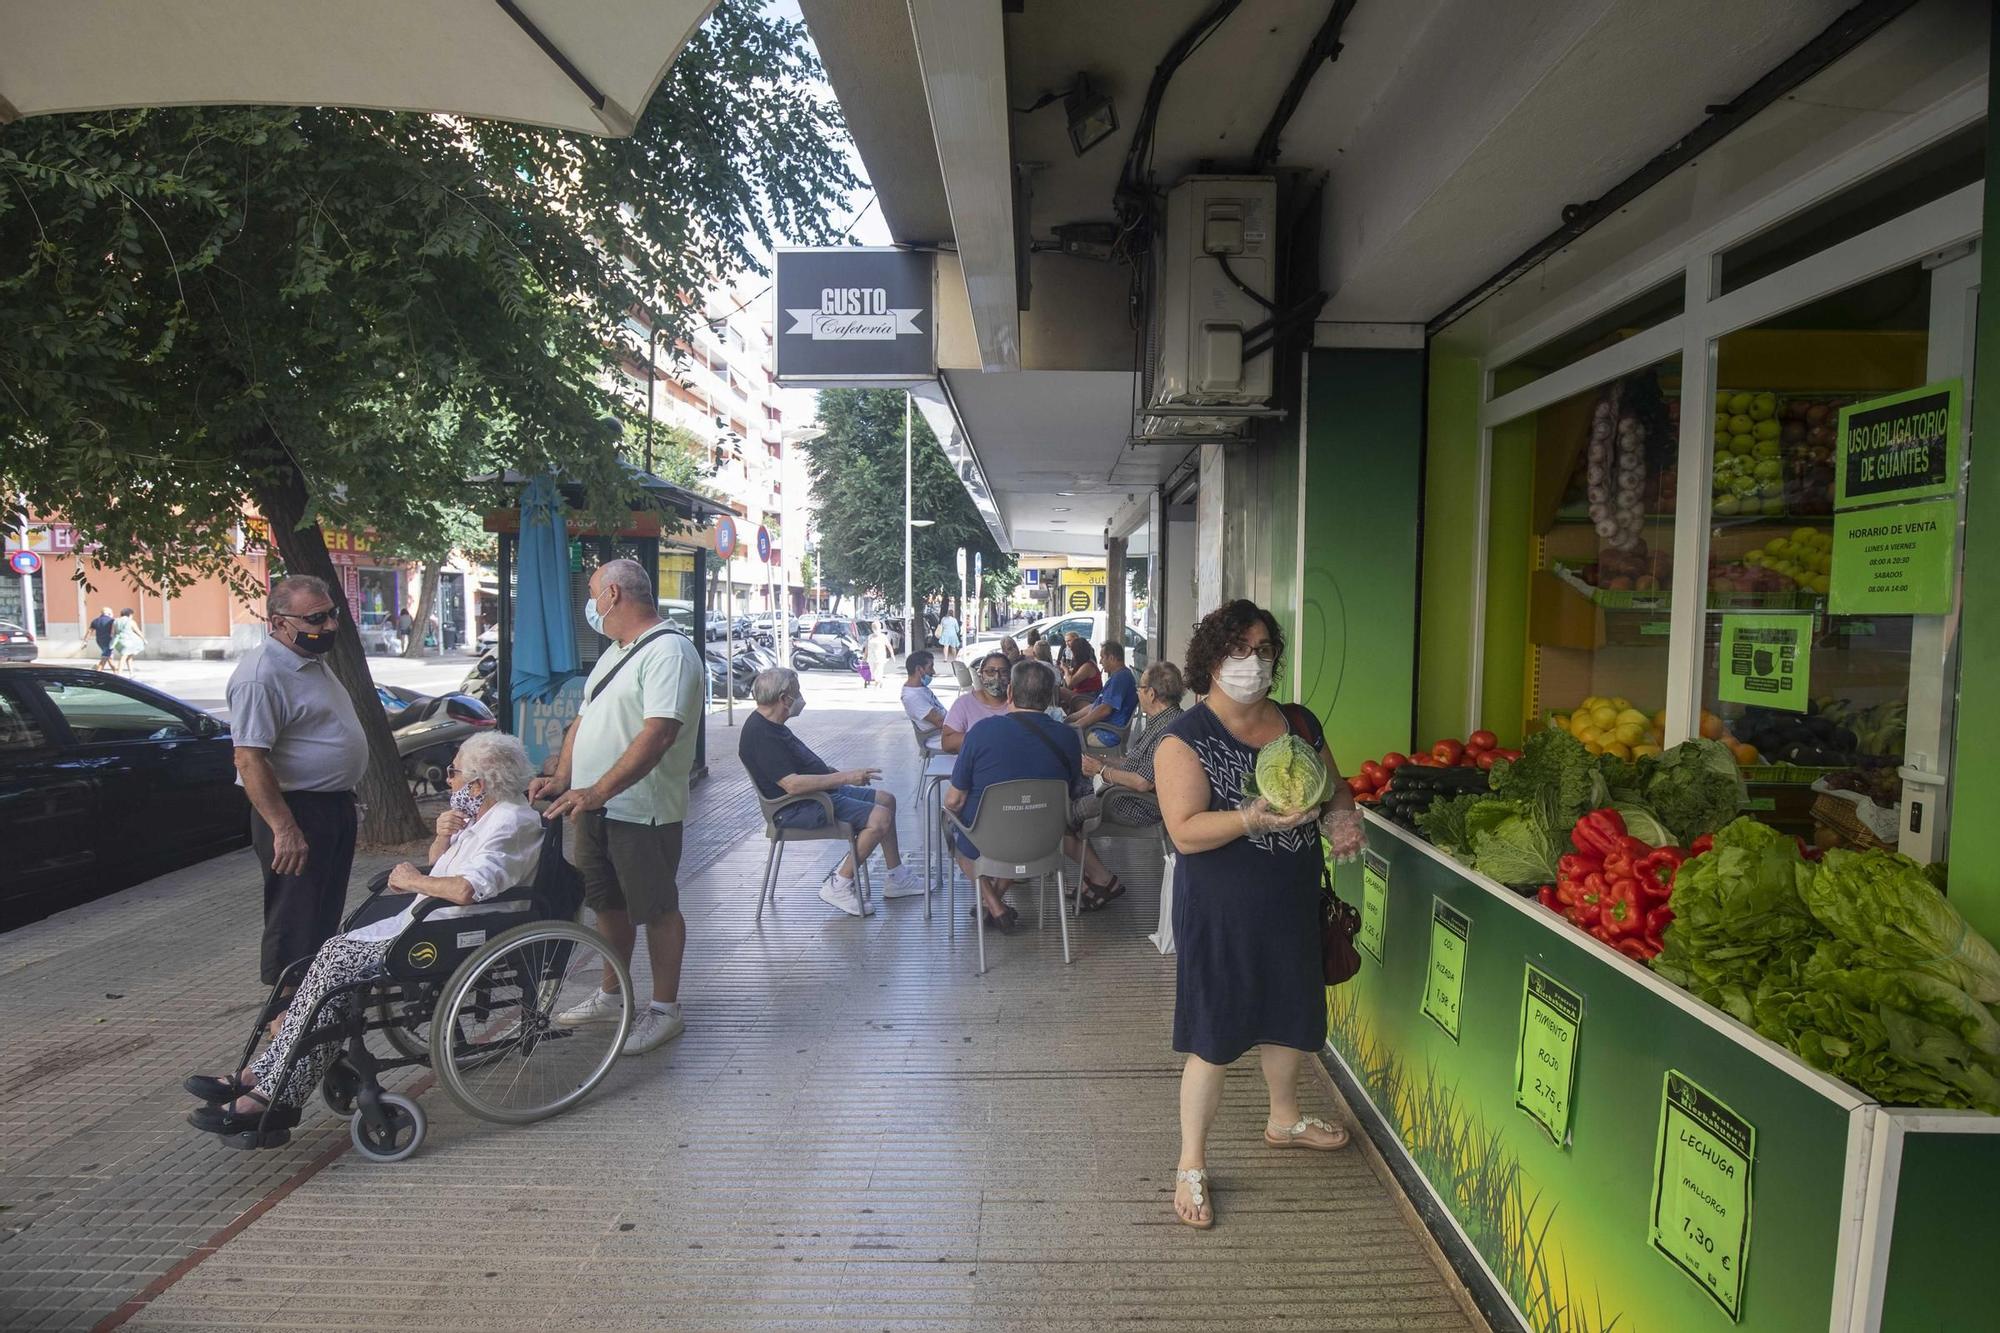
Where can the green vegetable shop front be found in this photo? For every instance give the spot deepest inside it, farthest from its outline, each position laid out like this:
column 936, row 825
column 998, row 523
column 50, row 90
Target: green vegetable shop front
column 1698, row 534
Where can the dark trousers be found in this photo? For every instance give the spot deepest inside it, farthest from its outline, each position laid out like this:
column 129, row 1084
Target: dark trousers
column 302, row 911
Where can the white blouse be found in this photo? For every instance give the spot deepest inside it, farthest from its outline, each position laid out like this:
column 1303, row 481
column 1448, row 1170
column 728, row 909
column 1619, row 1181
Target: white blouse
column 494, row 853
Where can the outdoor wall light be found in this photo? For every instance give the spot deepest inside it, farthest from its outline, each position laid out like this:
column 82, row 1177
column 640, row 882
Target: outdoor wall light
column 1092, row 118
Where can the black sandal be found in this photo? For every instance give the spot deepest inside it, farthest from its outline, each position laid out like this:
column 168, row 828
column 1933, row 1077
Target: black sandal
column 221, row 1120
column 1098, row 896
column 213, row 1090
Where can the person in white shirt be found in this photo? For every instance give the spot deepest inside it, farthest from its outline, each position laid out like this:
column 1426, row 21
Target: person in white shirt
column 949, row 636
column 489, row 840
column 921, row 703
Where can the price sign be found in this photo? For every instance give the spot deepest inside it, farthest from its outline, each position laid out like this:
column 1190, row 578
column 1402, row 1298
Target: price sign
column 1701, row 1190
column 1374, row 902
column 1545, row 1064
column 1451, row 932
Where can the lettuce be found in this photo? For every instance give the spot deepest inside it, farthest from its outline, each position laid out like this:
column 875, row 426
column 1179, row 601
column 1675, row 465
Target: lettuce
column 1887, row 903
column 1518, row 850
column 1289, row 775
column 1644, row 825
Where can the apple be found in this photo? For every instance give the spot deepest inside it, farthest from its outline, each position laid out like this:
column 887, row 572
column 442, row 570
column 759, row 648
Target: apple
column 1739, row 403
column 1764, row 406
column 1766, row 430
column 1740, row 424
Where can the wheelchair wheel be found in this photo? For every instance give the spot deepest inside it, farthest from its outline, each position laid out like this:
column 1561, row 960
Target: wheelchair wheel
column 404, row 1135
column 340, row 1086
column 495, row 1043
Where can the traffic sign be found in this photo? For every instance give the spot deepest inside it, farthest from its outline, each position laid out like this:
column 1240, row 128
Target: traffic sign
column 24, row 562
column 763, row 543
column 725, row 537
column 1079, row 599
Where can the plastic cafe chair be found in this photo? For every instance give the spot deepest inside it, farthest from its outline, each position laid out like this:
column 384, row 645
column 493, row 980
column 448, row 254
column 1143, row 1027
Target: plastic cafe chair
column 1019, row 832
column 1091, row 745
column 831, row 831
column 1110, row 828
column 926, row 782
column 962, row 673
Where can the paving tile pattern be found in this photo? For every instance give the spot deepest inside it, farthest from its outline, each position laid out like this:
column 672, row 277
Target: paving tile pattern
column 856, row 1131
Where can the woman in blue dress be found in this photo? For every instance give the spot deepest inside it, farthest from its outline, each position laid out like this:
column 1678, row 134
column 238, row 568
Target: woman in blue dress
column 1246, row 893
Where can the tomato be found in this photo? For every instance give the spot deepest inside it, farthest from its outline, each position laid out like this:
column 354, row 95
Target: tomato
column 1426, row 761
column 1509, row 755
column 1393, row 761
column 1372, row 798
column 1448, row 752
column 1487, row 758
column 1481, row 740
column 1470, row 759
column 1374, row 773
column 1359, row 786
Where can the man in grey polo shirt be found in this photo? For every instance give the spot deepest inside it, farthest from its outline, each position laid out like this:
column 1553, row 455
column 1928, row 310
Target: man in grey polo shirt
column 300, row 751
column 623, row 780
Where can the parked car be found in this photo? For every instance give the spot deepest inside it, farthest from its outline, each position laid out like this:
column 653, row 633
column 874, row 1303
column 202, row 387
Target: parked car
column 105, row 782
column 16, row 643
column 1091, row 625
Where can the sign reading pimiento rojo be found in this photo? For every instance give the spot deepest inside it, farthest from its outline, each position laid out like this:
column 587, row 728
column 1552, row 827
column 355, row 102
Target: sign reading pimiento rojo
column 1545, row 1064
column 850, row 314
column 1766, row 660
column 1444, row 988
column 1894, row 561
column 1902, row 447
column 1701, row 1190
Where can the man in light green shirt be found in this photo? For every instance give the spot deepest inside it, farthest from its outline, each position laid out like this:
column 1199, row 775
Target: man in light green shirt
column 623, row 782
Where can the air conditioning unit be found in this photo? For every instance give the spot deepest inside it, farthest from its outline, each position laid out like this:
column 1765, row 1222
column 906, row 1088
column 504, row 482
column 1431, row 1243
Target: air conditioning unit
column 1214, row 283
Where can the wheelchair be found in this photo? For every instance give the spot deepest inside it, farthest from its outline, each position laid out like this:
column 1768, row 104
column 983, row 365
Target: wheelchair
column 471, row 994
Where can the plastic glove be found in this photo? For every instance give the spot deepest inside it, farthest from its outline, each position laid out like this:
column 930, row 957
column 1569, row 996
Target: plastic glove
column 1344, row 831
column 1260, row 820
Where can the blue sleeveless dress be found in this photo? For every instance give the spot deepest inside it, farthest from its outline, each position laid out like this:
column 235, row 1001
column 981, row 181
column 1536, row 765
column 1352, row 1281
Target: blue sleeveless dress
column 1246, row 921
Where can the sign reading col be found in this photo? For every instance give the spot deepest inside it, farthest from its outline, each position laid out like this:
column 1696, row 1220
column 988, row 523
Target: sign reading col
column 852, row 313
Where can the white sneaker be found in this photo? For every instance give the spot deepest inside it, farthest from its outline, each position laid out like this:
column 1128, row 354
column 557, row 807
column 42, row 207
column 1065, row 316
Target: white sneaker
column 652, row 1030
column 599, row 1008
column 903, row 882
column 837, row 891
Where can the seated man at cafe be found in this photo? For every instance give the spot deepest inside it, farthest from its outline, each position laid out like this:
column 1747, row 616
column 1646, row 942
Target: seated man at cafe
column 987, row 699
column 920, row 702
column 1116, row 702
column 783, row 765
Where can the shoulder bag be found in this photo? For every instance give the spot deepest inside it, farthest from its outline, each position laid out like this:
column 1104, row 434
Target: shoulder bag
column 1338, row 921
column 619, row 665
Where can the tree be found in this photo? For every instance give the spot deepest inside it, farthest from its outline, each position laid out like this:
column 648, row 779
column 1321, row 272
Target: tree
column 343, row 315
column 857, row 484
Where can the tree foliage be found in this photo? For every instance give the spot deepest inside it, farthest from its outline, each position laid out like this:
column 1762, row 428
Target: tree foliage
column 857, row 483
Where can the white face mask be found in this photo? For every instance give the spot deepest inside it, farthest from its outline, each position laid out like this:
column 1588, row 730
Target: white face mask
column 1244, row 679
column 798, row 706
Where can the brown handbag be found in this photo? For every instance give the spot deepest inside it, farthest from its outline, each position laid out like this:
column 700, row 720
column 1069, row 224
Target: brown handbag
column 1338, row 925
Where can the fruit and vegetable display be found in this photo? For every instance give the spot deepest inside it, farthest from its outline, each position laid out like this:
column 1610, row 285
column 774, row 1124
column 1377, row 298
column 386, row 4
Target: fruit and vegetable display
column 1413, row 789
column 1811, row 739
column 1879, row 729
column 1802, row 562
column 1612, row 726
column 1373, row 782
column 1289, row 774
column 1858, row 964
column 1614, row 886
column 1615, row 468
column 1774, row 455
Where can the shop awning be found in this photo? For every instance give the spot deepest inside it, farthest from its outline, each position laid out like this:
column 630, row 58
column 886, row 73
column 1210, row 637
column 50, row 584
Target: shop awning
column 657, row 492
column 585, row 67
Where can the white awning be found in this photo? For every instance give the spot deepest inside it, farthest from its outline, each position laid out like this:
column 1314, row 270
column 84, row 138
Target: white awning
column 589, row 67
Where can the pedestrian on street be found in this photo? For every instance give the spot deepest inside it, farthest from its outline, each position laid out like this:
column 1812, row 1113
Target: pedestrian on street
column 622, row 781
column 406, row 625
column 104, row 627
column 300, row 751
column 876, row 653
column 126, row 641
column 948, row 636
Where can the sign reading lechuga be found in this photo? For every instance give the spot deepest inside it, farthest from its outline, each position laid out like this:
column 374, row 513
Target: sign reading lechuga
column 1903, row 447
column 856, row 315
column 1701, row 1189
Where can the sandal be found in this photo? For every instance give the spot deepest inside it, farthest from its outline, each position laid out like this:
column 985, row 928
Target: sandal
column 222, row 1120
column 213, row 1090
column 1295, row 1135
column 1196, row 1179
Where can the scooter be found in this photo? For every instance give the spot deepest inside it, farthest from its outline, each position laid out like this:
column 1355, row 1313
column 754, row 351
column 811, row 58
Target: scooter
column 427, row 746
column 808, row 655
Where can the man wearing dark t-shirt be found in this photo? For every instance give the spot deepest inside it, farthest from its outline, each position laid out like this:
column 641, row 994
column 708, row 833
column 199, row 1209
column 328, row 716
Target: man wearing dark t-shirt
column 104, row 627
column 783, row 765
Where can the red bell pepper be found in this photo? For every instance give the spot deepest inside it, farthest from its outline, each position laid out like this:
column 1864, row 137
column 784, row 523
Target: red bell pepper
column 1599, row 833
column 1622, row 912
column 1704, row 844
column 1638, row 950
column 1655, row 871
column 1546, row 896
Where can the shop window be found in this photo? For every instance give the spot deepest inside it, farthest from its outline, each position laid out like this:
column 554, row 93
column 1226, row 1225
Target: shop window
column 13, row 603
column 1947, row 165
column 1581, row 540
column 1834, row 694
column 1648, row 310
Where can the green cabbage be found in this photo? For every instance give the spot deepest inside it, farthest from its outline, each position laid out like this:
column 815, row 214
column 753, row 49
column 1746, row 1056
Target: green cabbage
column 1289, row 775
column 1694, row 788
column 1644, row 825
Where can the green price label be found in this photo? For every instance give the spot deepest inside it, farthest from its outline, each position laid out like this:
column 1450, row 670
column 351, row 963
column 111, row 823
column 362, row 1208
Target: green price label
column 1895, row 561
column 1374, row 902
column 1701, row 1190
column 1766, row 660
column 1656, row 629
column 1451, row 931
column 1761, row 805
column 1545, row 1064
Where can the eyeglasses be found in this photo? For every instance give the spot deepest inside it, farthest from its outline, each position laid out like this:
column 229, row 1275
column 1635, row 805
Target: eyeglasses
column 452, row 772
column 326, row 617
column 1266, row 651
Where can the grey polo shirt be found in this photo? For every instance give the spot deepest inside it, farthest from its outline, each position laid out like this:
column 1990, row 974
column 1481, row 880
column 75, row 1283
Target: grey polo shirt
column 290, row 704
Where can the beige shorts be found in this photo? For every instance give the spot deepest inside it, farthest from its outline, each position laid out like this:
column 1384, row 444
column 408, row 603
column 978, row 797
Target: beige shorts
column 626, row 867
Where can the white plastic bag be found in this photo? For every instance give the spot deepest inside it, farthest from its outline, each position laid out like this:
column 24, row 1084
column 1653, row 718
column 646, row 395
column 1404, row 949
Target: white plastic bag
column 1163, row 938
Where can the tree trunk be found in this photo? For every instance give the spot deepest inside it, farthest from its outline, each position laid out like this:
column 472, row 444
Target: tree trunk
column 426, row 604
column 392, row 811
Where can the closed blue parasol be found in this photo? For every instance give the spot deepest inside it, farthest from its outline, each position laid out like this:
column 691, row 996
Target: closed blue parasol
column 544, row 647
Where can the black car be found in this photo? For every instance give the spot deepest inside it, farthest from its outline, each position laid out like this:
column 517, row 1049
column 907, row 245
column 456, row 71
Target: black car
column 16, row 643
column 105, row 782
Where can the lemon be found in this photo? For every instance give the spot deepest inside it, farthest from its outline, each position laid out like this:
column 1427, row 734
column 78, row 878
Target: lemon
column 1602, row 716
column 1628, row 733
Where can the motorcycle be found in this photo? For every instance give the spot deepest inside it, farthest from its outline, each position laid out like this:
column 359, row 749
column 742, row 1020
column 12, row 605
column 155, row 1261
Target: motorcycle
column 481, row 681
column 819, row 655
column 722, row 679
column 427, row 745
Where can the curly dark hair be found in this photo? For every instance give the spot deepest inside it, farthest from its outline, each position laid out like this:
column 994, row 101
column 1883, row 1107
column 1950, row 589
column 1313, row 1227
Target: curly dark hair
column 1217, row 634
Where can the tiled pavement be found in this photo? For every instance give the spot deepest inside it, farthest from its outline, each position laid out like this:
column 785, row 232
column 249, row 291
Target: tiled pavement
column 855, row 1131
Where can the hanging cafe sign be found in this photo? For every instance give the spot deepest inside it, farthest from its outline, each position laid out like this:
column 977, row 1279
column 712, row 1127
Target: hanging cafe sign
column 849, row 314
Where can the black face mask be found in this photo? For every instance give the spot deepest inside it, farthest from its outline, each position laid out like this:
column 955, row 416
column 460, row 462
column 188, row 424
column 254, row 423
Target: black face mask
column 316, row 644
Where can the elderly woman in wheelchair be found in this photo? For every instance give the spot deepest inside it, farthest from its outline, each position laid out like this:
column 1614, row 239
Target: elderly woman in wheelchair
column 481, row 941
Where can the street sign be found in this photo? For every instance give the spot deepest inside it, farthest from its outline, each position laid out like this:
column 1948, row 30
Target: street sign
column 856, row 313
column 961, row 564
column 1031, row 578
column 1080, row 599
column 763, row 543
column 24, row 563
column 725, row 538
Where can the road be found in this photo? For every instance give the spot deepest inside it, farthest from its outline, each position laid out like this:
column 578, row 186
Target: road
column 202, row 683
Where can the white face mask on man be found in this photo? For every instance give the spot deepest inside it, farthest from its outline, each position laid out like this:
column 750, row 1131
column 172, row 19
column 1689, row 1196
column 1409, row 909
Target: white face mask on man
column 1244, row 679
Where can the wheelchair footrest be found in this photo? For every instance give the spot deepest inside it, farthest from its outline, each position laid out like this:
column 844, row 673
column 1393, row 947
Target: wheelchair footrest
column 249, row 1139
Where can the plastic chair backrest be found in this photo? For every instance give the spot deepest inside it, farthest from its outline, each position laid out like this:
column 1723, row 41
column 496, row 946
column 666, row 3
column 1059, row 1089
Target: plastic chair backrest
column 962, row 673
column 1022, row 822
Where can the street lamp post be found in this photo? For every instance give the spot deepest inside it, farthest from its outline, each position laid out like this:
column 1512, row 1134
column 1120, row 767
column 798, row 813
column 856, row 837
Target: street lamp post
column 909, row 532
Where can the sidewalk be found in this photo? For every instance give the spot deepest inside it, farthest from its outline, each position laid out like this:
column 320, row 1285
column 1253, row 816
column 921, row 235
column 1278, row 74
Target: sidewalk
column 855, row 1131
